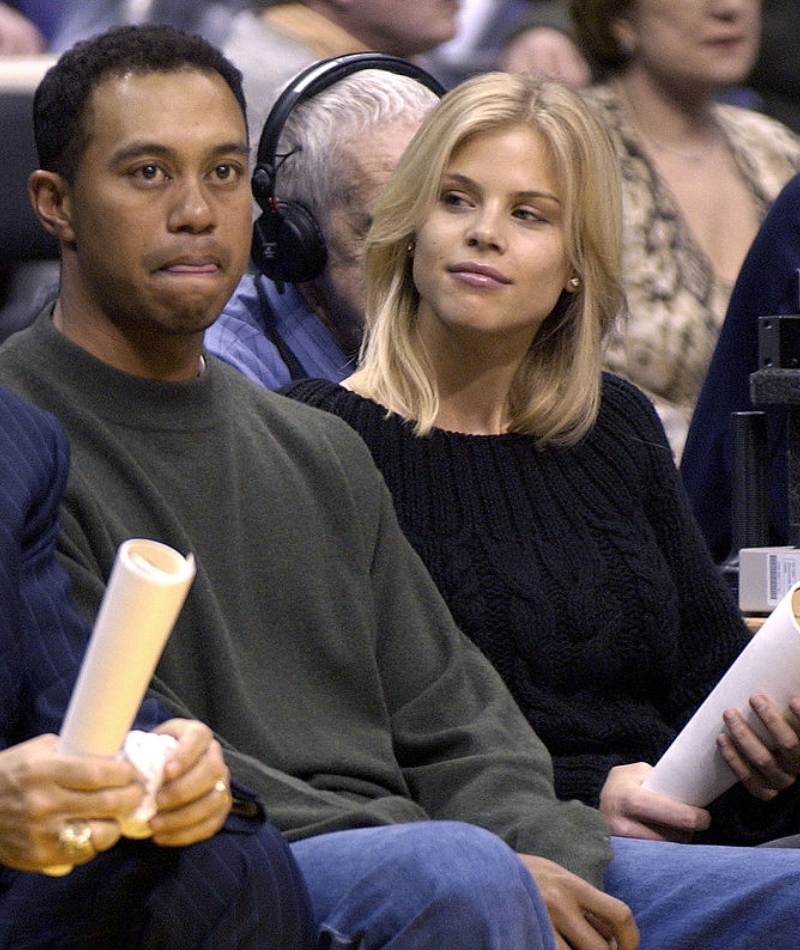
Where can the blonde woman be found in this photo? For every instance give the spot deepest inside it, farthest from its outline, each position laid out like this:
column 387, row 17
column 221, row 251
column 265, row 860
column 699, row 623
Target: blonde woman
column 541, row 493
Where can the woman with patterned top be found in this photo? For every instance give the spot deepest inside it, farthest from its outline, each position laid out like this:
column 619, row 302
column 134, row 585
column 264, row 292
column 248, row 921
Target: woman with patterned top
column 698, row 176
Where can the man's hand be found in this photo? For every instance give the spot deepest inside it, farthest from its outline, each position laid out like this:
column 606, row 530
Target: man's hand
column 583, row 917
column 634, row 812
column 42, row 790
column 763, row 771
column 195, row 799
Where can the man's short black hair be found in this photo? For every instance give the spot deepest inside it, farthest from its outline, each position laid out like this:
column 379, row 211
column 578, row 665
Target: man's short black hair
column 61, row 105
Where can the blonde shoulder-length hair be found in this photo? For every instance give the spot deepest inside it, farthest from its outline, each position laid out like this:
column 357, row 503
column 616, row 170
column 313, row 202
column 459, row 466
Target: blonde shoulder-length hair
column 555, row 394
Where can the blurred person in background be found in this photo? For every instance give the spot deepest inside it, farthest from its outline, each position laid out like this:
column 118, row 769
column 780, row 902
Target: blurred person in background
column 27, row 26
column 273, row 41
column 84, row 18
column 519, row 36
column 698, row 178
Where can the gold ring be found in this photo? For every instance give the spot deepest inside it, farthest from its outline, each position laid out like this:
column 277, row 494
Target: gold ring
column 75, row 839
column 222, row 787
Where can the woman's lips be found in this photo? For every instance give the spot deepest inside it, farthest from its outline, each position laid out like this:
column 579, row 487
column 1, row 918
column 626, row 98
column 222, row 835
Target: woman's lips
column 478, row 275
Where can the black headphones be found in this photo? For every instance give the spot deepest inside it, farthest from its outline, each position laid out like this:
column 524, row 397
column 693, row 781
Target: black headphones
column 288, row 246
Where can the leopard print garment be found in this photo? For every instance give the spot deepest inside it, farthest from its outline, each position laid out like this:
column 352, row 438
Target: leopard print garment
column 676, row 303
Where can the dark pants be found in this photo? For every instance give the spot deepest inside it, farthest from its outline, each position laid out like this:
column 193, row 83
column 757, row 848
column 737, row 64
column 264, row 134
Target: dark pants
column 237, row 891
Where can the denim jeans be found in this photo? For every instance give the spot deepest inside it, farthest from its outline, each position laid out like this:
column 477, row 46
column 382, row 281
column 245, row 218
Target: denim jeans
column 422, row 885
column 708, row 897
column 455, row 887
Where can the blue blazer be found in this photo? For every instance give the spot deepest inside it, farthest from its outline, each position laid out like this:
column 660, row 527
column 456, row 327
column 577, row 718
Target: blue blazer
column 42, row 636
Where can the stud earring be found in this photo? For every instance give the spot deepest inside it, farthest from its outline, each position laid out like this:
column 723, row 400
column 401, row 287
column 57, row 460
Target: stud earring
column 410, row 247
column 574, row 282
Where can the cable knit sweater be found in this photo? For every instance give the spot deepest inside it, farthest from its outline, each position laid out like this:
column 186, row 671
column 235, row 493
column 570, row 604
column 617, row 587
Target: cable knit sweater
column 581, row 574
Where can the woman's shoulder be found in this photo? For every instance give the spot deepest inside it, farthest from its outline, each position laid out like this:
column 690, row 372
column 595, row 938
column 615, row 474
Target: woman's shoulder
column 627, row 408
column 618, row 390
column 759, row 136
column 362, row 414
column 310, row 391
column 323, row 394
column 753, row 121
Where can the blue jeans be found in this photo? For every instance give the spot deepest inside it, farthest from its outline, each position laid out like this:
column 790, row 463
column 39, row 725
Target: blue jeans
column 422, row 885
column 708, row 897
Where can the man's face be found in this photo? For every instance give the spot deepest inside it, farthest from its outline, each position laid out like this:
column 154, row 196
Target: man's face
column 159, row 209
column 402, row 27
column 338, row 295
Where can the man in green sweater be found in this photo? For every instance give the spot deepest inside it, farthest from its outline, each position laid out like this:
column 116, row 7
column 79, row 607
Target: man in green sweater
column 313, row 641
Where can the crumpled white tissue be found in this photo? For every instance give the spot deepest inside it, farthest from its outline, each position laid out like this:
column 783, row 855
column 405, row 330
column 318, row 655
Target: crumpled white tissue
column 147, row 752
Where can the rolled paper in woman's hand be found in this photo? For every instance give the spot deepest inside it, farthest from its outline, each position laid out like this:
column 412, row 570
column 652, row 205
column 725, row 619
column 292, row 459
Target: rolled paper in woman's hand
column 146, row 590
column 692, row 769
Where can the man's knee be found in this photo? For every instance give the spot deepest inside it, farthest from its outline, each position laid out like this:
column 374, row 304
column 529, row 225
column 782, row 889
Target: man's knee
column 431, row 883
column 457, row 860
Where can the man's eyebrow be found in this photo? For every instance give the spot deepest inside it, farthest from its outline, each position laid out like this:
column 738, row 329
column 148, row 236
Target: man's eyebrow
column 159, row 150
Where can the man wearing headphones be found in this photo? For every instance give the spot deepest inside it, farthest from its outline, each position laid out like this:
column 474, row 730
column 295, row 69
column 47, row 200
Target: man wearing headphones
column 326, row 151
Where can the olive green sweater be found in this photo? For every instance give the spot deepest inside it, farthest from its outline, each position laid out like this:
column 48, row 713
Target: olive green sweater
column 313, row 640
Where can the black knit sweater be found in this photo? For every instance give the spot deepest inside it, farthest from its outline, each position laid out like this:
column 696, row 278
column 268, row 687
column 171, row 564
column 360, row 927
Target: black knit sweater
column 581, row 574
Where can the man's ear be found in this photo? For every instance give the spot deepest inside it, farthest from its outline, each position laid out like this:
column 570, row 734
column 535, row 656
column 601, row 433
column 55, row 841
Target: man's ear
column 51, row 198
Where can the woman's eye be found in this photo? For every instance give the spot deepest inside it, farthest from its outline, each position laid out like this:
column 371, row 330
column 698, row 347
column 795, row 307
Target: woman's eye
column 453, row 199
column 528, row 214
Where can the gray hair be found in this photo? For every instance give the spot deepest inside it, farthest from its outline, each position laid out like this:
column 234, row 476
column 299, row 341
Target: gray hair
column 314, row 138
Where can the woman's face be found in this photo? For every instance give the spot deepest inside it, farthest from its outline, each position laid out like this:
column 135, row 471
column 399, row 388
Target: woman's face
column 490, row 261
column 707, row 42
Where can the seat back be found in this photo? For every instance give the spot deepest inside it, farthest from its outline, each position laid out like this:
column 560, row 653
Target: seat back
column 22, row 238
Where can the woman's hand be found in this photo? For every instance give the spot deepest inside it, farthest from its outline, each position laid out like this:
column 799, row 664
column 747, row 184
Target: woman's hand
column 762, row 770
column 547, row 51
column 634, row 812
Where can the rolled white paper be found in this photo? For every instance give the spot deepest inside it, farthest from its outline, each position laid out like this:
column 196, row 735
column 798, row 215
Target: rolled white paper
column 146, row 590
column 692, row 769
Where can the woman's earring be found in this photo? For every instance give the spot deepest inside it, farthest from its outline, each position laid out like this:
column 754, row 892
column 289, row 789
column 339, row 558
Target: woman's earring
column 410, row 248
column 574, row 282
